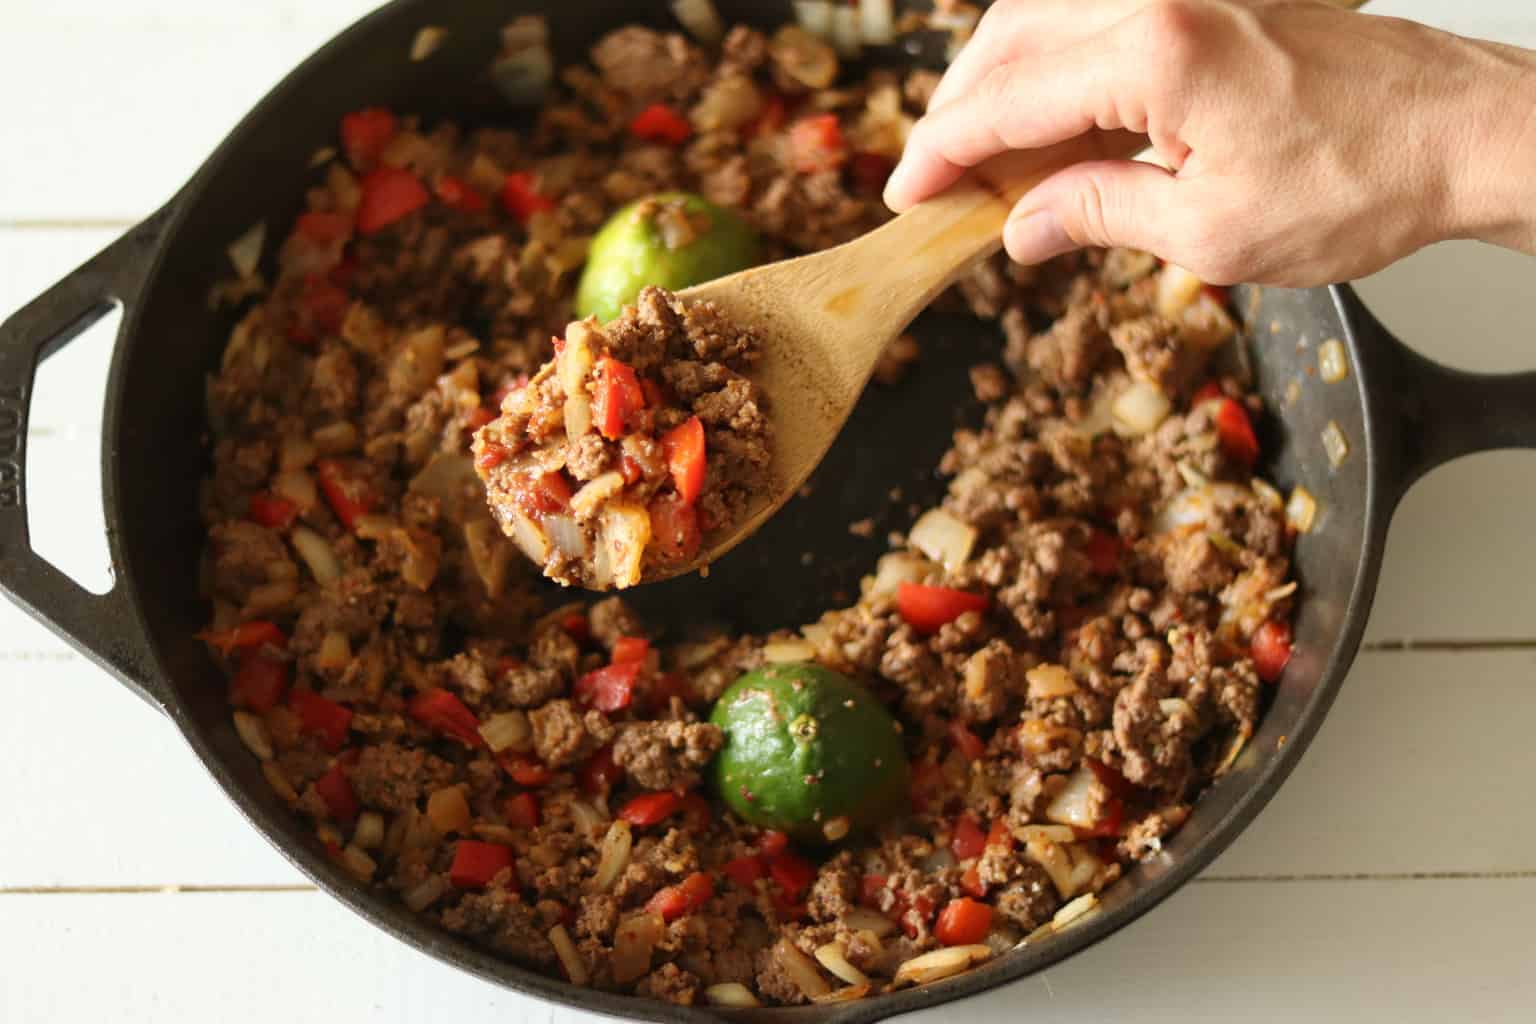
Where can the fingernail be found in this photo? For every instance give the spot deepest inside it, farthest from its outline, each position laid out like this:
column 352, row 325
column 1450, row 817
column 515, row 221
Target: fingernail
column 895, row 185
column 1036, row 236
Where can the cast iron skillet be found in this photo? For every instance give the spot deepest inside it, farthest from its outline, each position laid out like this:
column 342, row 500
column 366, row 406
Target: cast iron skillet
column 1401, row 414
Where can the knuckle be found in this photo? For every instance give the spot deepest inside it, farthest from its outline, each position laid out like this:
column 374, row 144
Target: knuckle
column 1090, row 217
column 1169, row 34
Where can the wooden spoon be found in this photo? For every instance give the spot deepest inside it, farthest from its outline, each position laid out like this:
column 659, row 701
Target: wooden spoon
column 825, row 319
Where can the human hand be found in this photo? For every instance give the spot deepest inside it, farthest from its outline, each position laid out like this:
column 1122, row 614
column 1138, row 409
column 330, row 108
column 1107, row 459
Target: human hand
column 1306, row 144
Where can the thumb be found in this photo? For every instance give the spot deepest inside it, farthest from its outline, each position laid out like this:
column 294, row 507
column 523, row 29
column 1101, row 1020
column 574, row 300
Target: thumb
column 1101, row 203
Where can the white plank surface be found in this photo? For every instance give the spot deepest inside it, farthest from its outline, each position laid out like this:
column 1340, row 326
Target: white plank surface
column 109, row 106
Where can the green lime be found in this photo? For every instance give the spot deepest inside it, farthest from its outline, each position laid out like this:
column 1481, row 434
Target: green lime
column 671, row 240
column 808, row 751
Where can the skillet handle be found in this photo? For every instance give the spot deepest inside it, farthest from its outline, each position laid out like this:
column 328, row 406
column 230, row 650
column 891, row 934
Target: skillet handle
column 103, row 627
column 1429, row 414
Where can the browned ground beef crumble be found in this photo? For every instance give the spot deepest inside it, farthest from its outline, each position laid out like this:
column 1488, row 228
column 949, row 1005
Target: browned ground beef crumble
column 404, row 687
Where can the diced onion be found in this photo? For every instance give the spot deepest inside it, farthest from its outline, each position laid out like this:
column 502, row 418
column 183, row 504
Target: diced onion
column 358, row 864
column 1048, row 681
column 298, row 487
column 369, row 833
column 731, row 994
column 1177, row 290
column 493, row 833
column 943, row 538
column 587, row 819
column 530, row 537
column 448, row 810
column 633, row 943
column 815, row 16
column 1074, row 805
column 800, row 969
column 570, row 958
column 1054, row 860
column 777, row 652
column 335, row 652
column 490, row 554
column 253, row 733
column 1205, row 323
column 894, row 569
column 834, row 957
column 335, row 438
column 1335, row 444
column 1266, row 493
column 1301, row 510
column 296, row 452
column 1332, row 363
column 420, row 897
column 1074, row 910
column 864, row 919
column 245, row 251
column 507, row 730
column 701, row 20
column 1139, row 409
column 1047, row 833
column 940, row 963
column 279, row 782
column 846, row 994
column 877, row 22
column 428, row 39
column 316, row 552
column 836, row 828
column 626, row 532
column 523, row 73
column 614, row 856
column 594, row 492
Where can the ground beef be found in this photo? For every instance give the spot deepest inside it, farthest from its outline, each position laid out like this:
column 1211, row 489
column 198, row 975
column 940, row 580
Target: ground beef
column 666, row 755
column 392, row 777
column 1029, row 902
column 563, row 735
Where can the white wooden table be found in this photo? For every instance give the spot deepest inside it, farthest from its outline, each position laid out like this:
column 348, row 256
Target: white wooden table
column 1393, row 878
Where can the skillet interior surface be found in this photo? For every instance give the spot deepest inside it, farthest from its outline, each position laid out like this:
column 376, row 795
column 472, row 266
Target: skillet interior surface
column 156, row 431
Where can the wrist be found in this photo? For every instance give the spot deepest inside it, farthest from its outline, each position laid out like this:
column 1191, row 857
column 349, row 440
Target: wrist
column 1491, row 178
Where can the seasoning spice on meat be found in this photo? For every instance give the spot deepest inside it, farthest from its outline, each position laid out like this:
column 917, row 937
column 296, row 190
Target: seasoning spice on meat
column 1066, row 651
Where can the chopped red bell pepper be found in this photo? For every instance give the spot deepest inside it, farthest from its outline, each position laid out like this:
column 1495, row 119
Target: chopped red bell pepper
column 577, row 625
column 526, row 770
column 630, row 648
column 963, row 922
column 772, row 843
column 365, row 133
column 323, row 226
column 347, row 495
column 968, row 743
column 259, row 682
column 1217, row 293
column 787, row 907
column 675, row 532
column 870, row 171
column 632, row 470
column 660, row 123
column 521, row 198
column 1103, row 551
column 968, row 840
column 650, row 808
column 684, row 898
column 1235, row 431
column 389, row 195
column 1210, row 391
column 345, row 272
column 522, row 810
column 322, row 718
column 792, row 872
column 245, row 636
column 1000, row 835
column 491, row 456
column 971, row 883
column 438, row 709
column 1270, row 649
column 695, row 811
column 336, row 790
column 618, row 397
column 610, row 688
column 457, row 194
column 916, row 915
column 926, row 609
column 870, row 888
column 771, row 119
column 601, row 772
column 684, row 448
column 816, row 144
column 476, row 863
column 745, row 871
column 271, row 511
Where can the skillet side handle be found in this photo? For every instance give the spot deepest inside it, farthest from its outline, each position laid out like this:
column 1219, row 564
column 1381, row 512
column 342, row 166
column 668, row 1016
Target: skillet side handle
column 1426, row 414
column 102, row 627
